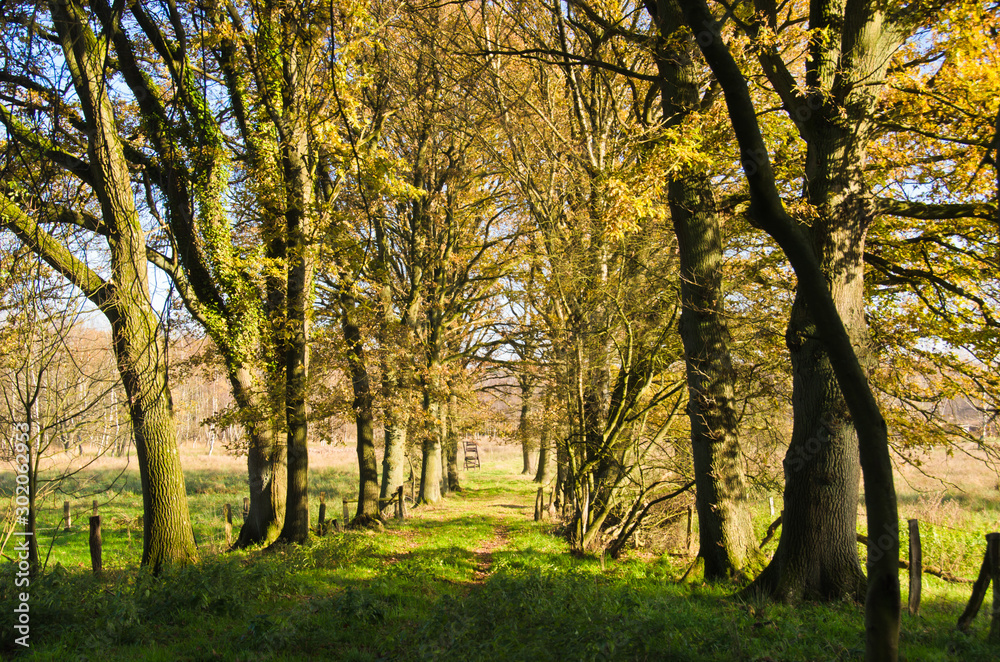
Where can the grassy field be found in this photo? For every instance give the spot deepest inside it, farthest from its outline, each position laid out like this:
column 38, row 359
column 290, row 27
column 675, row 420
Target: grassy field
column 473, row 578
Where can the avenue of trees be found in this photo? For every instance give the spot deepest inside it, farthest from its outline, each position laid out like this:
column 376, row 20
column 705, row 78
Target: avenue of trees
column 674, row 236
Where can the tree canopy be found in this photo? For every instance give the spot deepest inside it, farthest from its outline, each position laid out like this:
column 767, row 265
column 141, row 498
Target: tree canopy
column 779, row 219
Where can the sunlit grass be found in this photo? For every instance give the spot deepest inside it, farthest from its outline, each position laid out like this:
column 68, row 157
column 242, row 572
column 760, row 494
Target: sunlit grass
column 471, row 578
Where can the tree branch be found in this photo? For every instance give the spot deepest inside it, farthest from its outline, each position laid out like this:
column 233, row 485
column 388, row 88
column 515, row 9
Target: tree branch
column 53, row 252
column 928, row 211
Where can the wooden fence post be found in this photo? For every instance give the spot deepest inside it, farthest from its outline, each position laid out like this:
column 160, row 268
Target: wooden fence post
column 69, row 524
column 770, row 502
column 246, row 508
column 993, row 554
column 95, row 544
column 916, row 567
column 979, row 588
column 227, row 515
column 690, row 517
column 321, row 524
column 540, row 504
column 400, row 512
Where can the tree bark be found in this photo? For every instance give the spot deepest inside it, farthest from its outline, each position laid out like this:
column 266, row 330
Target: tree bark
column 394, row 385
column 442, row 426
column 124, row 298
column 524, row 426
column 543, row 474
column 364, row 404
column 451, row 444
column 299, row 267
column 882, row 603
column 266, row 458
column 817, row 555
column 430, row 471
column 266, row 480
column 726, row 540
column 393, row 469
column 167, row 533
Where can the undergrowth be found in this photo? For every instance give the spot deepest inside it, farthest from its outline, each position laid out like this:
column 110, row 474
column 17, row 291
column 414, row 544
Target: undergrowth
column 474, row 578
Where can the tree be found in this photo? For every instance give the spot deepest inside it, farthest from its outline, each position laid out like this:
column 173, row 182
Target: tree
column 177, row 148
column 244, row 265
column 96, row 159
column 364, row 411
column 56, row 386
column 581, row 133
column 725, row 534
column 852, row 61
column 440, row 237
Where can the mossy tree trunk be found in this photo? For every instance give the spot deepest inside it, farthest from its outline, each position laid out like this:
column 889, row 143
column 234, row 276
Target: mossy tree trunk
column 124, row 298
column 299, row 264
column 219, row 290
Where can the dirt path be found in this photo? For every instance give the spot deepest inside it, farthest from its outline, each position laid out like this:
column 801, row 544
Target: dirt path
column 484, row 554
column 500, row 509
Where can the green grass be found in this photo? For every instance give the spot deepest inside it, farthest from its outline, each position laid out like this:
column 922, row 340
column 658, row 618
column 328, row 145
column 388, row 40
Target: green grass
column 474, row 578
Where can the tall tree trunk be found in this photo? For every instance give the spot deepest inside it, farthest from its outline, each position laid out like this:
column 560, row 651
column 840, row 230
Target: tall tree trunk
column 726, row 539
column 451, row 444
column 395, row 389
column 442, row 426
column 33, row 465
column 266, row 478
column 725, row 533
column 430, row 473
column 167, row 533
column 266, row 460
column 543, row 475
column 298, row 301
column 364, row 404
column 563, row 495
column 524, row 426
column 296, row 524
column 865, row 30
column 817, row 554
column 125, row 300
column 393, row 467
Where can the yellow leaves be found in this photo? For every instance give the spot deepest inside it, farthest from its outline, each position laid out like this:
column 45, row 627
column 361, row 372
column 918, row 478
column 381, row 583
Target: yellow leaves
column 943, row 104
column 634, row 195
column 626, row 208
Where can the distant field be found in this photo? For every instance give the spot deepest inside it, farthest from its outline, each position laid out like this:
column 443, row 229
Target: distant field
column 473, row 578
